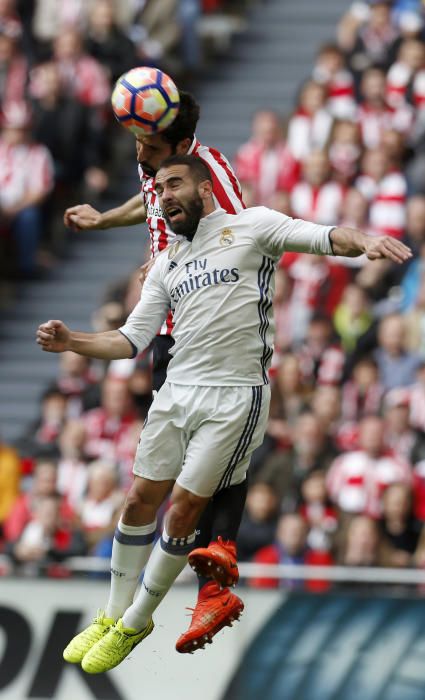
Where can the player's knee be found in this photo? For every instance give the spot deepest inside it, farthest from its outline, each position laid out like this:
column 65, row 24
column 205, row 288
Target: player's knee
column 137, row 508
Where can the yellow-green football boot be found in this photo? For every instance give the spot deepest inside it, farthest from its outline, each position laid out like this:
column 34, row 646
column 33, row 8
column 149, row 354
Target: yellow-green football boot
column 113, row 648
column 80, row 645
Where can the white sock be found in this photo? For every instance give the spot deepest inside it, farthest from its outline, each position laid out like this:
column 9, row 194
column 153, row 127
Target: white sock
column 166, row 562
column 130, row 552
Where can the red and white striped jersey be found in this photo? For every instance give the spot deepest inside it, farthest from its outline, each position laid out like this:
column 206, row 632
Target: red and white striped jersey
column 226, row 191
column 387, row 208
column 400, row 79
column 26, row 169
column 373, row 122
column 320, row 205
column 356, row 482
column 307, row 132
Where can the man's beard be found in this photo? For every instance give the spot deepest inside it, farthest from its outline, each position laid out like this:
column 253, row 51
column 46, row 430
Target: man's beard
column 187, row 228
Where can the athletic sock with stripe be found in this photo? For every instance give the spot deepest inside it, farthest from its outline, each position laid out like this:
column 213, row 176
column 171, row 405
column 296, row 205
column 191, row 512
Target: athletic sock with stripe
column 166, row 562
column 131, row 549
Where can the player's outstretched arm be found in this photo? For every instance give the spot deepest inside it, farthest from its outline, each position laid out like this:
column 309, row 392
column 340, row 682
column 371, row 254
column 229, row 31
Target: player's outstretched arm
column 351, row 242
column 83, row 217
column 55, row 336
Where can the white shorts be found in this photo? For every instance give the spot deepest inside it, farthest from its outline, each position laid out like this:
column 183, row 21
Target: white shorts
column 202, row 437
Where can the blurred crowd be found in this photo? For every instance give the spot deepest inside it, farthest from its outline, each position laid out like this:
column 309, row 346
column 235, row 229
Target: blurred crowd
column 340, row 477
column 58, row 62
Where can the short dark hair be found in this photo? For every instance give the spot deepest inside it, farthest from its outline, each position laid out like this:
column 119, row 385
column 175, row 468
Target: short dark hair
column 184, row 125
column 198, row 168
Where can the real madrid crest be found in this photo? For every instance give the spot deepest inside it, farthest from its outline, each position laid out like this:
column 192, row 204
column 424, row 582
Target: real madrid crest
column 173, row 249
column 226, row 237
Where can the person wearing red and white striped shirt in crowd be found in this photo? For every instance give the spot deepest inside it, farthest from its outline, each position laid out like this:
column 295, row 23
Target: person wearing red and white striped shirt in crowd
column 82, row 75
column 330, row 70
column 220, row 523
column 357, row 480
column 310, row 125
column 407, row 75
column 374, row 114
column 265, row 161
column 26, row 180
column 386, row 191
column 316, row 197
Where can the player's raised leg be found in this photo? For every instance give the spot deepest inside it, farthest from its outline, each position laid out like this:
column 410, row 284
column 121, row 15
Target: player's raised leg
column 216, row 566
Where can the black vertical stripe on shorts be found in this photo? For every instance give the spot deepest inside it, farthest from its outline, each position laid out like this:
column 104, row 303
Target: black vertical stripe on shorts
column 245, row 438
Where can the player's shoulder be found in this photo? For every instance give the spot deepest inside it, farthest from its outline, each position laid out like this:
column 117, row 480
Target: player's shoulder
column 212, row 156
column 260, row 215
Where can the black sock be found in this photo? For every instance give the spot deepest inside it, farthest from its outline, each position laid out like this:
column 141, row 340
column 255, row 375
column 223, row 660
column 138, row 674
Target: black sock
column 228, row 506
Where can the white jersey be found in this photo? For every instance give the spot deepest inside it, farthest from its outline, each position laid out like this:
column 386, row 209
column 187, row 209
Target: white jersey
column 220, row 287
column 226, row 194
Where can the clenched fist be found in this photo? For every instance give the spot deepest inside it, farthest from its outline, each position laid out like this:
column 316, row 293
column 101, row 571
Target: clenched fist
column 53, row 336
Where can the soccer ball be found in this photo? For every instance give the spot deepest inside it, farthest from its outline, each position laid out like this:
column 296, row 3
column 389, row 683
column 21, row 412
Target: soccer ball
column 145, row 100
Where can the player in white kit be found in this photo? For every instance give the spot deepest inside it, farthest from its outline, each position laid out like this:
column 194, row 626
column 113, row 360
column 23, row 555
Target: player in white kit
column 211, row 411
column 217, row 605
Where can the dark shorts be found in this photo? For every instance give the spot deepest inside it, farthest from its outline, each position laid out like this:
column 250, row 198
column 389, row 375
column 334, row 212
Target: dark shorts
column 161, row 357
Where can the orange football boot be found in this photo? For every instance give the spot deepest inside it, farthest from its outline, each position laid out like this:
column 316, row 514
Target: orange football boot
column 216, row 608
column 217, row 561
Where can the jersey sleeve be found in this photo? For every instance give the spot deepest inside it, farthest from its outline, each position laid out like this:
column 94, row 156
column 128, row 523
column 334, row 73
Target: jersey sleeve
column 149, row 313
column 277, row 233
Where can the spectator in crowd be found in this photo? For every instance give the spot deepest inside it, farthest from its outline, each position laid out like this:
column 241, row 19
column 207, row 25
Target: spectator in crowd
column 107, row 42
column 415, row 222
column 317, row 197
column 375, row 38
column 362, row 393
column 357, row 480
column 290, row 547
column 100, row 509
column 330, row 70
column 43, row 483
column 374, row 114
column 400, row 531
column 42, row 437
column 83, row 76
column 26, row 180
column 53, row 107
column 72, row 469
column 13, row 64
column 326, row 406
column 10, row 476
column 286, row 469
column 362, row 543
column 417, row 399
column 321, row 358
column 318, row 512
column 354, row 213
column 386, row 191
column 400, row 437
column 265, row 161
column 344, row 150
column 44, row 539
column 309, row 126
column 289, row 397
column 77, row 379
column 396, row 365
column 414, row 320
column 259, row 519
column 106, row 426
column 352, row 317
column 408, row 70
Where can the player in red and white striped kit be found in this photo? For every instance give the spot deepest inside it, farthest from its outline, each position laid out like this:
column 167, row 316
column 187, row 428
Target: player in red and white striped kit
column 220, row 522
